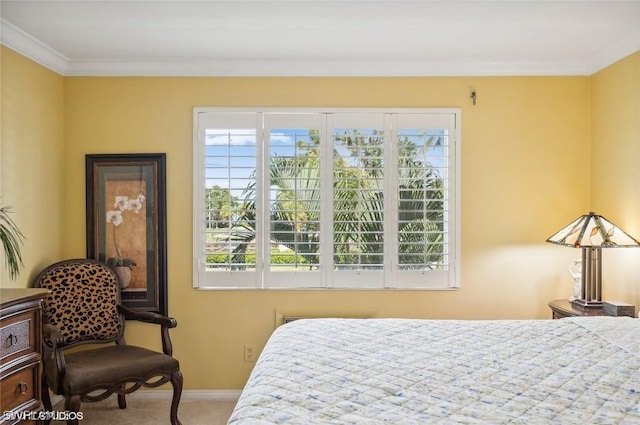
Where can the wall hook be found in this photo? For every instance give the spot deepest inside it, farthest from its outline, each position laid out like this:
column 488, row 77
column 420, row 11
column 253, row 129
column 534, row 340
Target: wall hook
column 474, row 96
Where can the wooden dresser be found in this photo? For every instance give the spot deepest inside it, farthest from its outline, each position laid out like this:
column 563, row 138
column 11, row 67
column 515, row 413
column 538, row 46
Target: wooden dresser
column 20, row 354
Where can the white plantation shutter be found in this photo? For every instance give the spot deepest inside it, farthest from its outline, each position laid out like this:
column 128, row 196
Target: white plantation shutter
column 228, row 156
column 292, row 206
column 339, row 198
column 426, row 213
column 359, row 141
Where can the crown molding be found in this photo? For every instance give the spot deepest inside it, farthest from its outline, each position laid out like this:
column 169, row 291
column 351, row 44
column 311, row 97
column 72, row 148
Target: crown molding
column 613, row 53
column 34, row 49
column 293, row 68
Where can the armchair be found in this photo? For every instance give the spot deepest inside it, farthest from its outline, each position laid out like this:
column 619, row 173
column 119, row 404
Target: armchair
column 83, row 307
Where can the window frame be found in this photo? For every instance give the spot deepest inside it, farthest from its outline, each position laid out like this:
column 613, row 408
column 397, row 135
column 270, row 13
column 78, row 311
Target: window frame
column 262, row 279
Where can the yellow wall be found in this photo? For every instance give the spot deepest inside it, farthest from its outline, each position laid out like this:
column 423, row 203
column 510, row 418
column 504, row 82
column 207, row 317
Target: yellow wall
column 31, row 160
column 615, row 177
column 525, row 146
column 526, row 158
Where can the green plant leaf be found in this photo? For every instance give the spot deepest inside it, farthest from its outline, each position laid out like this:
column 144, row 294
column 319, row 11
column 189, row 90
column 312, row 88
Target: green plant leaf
column 11, row 238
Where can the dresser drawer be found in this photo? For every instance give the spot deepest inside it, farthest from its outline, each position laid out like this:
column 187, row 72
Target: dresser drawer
column 17, row 336
column 19, row 388
column 20, row 355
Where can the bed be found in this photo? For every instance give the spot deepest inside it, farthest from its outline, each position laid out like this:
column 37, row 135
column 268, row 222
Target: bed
column 583, row 370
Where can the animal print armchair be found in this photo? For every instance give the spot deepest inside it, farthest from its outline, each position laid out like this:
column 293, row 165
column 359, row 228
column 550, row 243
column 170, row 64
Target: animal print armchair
column 83, row 307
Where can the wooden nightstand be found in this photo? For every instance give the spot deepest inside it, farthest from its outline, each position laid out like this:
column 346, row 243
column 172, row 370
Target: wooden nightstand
column 20, row 353
column 564, row 308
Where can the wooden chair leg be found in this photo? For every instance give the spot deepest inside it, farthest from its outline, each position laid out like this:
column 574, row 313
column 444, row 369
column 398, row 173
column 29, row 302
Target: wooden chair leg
column 176, row 381
column 72, row 404
column 122, row 401
column 46, row 398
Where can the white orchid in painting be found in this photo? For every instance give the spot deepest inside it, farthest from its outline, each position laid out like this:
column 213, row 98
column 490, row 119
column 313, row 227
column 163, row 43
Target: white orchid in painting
column 115, row 217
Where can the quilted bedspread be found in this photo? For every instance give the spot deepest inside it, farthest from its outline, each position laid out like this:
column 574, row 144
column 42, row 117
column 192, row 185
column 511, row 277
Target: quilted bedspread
column 399, row 371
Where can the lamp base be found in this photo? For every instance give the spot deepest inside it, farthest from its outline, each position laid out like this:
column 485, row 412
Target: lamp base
column 580, row 303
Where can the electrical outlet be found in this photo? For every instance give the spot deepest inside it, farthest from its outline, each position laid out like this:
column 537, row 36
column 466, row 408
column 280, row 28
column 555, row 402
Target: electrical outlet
column 249, row 353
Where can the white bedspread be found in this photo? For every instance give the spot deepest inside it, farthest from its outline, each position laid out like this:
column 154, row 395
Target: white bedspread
column 396, row 371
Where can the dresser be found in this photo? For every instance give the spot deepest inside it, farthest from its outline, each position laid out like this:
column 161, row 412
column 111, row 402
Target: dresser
column 20, row 354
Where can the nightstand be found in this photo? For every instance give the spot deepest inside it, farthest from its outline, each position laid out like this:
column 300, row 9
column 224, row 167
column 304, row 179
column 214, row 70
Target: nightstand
column 564, row 308
column 20, row 352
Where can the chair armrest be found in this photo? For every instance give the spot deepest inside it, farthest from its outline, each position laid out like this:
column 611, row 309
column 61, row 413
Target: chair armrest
column 147, row 317
column 52, row 335
column 56, row 341
column 150, row 317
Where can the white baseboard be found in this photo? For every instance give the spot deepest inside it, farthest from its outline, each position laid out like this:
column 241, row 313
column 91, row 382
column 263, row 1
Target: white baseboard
column 214, row 395
column 221, row 395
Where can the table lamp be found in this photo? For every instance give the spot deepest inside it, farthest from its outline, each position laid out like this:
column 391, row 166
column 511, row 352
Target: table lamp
column 592, row 232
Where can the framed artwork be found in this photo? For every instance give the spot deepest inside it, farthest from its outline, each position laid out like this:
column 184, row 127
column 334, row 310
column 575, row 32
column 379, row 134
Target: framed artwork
column 126, row 224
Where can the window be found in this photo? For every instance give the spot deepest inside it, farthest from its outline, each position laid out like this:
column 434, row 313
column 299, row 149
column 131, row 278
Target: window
column 344, row 198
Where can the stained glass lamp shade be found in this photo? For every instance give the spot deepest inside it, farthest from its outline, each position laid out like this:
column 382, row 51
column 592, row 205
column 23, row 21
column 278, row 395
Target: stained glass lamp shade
column 592, row 232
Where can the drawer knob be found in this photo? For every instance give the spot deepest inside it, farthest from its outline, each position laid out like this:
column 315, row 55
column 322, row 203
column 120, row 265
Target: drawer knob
column 13, row 339
column 23, row 387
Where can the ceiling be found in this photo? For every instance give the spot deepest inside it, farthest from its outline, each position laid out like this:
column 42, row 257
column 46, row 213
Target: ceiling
column 322, row 37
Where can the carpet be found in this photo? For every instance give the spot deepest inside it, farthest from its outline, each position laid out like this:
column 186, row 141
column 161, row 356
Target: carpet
column 145, row 411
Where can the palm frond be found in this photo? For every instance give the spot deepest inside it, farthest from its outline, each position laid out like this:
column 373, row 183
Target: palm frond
column 11, row 238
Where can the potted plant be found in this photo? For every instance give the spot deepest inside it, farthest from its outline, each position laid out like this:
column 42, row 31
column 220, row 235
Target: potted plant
column 11, row 240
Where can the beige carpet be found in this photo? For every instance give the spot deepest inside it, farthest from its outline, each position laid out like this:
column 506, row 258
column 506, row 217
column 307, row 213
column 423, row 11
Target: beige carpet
column 145, row 411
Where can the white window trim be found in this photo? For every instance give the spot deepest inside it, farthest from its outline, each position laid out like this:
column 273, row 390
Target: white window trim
column 357, row 279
